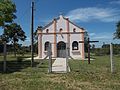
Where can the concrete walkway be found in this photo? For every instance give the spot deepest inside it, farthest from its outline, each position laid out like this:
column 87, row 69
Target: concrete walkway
column 59, row 66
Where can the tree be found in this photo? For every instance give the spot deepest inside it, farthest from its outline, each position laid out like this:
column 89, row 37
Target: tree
column 117, row 33
column 7, row 14
column 93, row 48
column 36, row 40
column 1, row 46
column 86, row 41
column 7, row 10
column 14, row 33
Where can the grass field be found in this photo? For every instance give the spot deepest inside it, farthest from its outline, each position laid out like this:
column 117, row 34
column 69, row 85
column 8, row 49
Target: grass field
column 96, row 76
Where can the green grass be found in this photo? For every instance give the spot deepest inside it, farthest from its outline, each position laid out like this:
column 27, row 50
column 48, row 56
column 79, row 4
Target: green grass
column 96, row 76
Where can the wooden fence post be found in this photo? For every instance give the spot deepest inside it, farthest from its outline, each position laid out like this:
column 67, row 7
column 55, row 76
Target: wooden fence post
column 111, row 58
column 50, row 58
column 67, row 56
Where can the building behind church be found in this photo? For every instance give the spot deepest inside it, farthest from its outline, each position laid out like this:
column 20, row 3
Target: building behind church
column 61, row 32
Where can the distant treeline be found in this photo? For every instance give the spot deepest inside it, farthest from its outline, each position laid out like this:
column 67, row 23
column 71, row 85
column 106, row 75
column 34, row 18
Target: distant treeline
column 19, row 48
column 105, row 49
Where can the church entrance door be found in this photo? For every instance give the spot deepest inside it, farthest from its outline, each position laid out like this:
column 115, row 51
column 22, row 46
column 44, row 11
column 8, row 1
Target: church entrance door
column 61, row 49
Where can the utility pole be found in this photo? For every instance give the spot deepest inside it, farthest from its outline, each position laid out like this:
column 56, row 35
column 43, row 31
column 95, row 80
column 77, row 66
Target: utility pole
column 5, row 52
column 88, row 51
column 32, row 29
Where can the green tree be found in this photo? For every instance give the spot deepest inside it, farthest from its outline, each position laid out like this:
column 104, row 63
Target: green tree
column 86, row 41
column 92, row 48
column 14, row 33
column 7, row 12
column 7, row 15
column 117, row 33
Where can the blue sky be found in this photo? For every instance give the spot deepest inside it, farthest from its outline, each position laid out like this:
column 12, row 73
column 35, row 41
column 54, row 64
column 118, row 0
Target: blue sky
column 98, row 17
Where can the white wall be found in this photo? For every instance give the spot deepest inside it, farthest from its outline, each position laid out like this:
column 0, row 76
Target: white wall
column 62, row 23
column 75, row 53
column 50, row 27
column 47, row 38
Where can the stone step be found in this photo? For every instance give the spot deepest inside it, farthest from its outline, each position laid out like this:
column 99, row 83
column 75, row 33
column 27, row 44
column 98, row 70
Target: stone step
column 59, row 66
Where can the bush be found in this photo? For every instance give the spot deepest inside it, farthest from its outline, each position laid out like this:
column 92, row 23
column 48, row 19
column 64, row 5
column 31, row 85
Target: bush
column 102, row 51
column 21, row 52
column 19, row 59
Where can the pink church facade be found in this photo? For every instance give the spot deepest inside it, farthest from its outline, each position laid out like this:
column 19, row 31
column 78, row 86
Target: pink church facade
column 59, row 32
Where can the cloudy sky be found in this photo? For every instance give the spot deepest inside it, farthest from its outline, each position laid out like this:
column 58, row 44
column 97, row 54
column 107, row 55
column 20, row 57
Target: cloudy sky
column 98, row 17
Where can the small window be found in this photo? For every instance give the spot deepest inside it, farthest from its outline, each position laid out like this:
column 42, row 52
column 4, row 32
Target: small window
column 74, row 29
column 47, row 30
column 61, row 29
column 75, row 45
column 47, row 46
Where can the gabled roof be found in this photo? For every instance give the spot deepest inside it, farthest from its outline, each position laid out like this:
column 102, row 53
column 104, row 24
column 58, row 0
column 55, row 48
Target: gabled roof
column 48, row 25
column 58, row 19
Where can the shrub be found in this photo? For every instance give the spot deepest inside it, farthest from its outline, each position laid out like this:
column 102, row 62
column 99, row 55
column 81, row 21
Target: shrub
column 19, row 59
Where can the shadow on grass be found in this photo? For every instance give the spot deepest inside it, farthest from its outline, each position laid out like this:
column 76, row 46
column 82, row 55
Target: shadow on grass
column 15, row 66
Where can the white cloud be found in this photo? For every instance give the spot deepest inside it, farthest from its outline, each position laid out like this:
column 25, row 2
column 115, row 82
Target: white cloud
column 106, row 37
column 92, row 34
column 94, row 13
column 115, row 2
column 101, row 36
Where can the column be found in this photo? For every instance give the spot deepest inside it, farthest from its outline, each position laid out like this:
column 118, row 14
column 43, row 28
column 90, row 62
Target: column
column 55, row 39
column 68, row 35
column 83, row 51
column 39, row 42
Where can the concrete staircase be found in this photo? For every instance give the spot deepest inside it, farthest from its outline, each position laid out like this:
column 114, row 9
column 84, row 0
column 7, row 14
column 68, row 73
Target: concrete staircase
column 59, row 66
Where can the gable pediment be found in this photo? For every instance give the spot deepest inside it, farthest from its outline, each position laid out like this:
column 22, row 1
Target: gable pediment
column 61, row 25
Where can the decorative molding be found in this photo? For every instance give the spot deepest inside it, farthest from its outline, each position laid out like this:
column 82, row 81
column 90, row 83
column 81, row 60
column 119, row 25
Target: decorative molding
column 64, row 33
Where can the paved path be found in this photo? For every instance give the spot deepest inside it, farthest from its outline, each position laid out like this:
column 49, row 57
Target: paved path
column 59, row 66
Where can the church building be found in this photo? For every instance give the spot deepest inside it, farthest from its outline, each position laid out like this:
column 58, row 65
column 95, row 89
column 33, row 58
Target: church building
column 61, row 32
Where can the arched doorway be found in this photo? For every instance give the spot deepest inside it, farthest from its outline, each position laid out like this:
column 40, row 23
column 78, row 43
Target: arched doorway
column 61, row 49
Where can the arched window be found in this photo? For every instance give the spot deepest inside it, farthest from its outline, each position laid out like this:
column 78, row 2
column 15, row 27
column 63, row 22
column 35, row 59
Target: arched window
column 75, row 45
column 47, row 46
column 47, row 30
column 74, row 29
column 61, row 29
